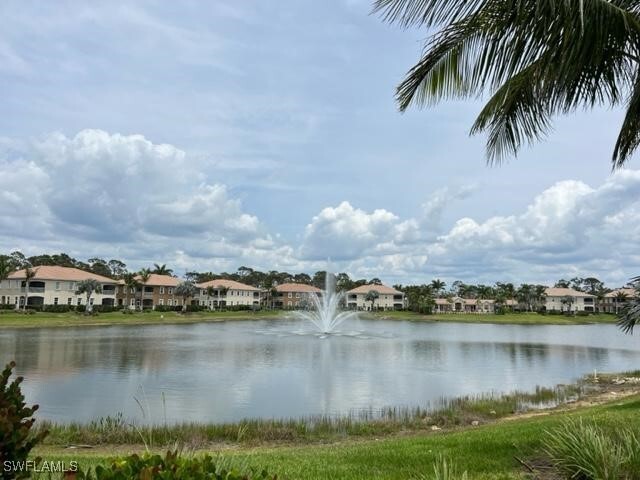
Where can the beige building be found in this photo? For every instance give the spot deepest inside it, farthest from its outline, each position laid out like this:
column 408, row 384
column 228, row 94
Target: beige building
column 228, row 293
column 388, row 298
column 54, row 285
column 569, row 300
column 616, row 300
column 294, row 295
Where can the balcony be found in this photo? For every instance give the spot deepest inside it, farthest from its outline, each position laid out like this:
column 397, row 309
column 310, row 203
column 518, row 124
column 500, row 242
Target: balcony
column 106, row 291
column 33, row 289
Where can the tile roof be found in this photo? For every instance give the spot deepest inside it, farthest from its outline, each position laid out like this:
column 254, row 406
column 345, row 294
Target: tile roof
column 297, row 287
column 50, row 272
column 156, row 280
column 377, row 288
column 229, row 284
column 629, row 292
column 565, row 292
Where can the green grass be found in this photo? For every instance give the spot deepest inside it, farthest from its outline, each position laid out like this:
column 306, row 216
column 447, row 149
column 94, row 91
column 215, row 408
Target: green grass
column 509, row 318
column 10, row 319
column 486, row 452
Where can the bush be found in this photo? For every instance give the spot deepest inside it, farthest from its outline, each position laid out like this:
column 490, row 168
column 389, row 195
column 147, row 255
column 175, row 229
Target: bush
column 171, row 466
column 81, row 308
column 16, row 420
column 584, row 451
column 582, row 314
column 58, row 308
column 7, row 306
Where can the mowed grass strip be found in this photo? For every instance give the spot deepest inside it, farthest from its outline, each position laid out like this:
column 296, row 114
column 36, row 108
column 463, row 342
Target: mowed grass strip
column 527, row 318
column 10, row 319
column 486, row 452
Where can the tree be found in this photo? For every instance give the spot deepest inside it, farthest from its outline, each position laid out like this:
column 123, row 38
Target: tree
column 567, row 302
column 562, row 283
column 630, row 314
column 210, row 291
column 5, row 267
column 161, row 269
column 131, row 285
column 186, row 290
column 29, row 274
column 537, row 58
column 89, row 287
column 143, row 278
column 117, row 268
column 372, row 296
column 99, row 267
column 438, row 286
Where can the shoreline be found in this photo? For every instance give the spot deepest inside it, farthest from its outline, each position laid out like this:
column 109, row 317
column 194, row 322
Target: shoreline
column 381, row 452
column 14, row 320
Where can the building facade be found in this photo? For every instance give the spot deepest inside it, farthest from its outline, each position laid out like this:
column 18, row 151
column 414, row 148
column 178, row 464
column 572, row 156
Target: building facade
column 569, row 300
column 294, row 295
column 159, row 290
column 388, row 298
column 616, row 300
column 54, row 285
column 228, row 293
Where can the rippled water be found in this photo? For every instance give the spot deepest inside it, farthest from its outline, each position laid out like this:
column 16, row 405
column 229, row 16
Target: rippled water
column 279, row 368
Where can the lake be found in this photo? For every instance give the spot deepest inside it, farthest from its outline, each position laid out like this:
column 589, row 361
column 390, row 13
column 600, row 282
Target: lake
column 218, row 372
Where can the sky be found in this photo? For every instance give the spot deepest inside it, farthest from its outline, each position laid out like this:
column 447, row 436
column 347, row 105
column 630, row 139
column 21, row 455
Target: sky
column 210, row 135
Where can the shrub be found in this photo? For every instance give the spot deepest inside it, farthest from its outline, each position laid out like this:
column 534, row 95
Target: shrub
column 16, row 420
column 584, row 451
column 81, row 308
column 170, row 467
column 57, row 308
column 582, row 314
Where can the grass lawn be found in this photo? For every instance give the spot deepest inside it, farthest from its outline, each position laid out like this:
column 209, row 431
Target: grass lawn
column 10, row 319
column 509, row 318
column 486, row 452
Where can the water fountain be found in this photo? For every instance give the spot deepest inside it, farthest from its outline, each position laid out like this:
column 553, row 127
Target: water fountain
column 325, row 311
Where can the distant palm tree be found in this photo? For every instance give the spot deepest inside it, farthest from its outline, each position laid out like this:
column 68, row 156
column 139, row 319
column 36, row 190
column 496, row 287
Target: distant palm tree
column 131, row 285
column 29, row 274
column 567, row 302
column 538, row 58
column 372, row 296
column 186, row 290
column 89, row 287
column 143, row 278
column 437, row 285
column 620, row 298
column 210, row 291
column 161, row 269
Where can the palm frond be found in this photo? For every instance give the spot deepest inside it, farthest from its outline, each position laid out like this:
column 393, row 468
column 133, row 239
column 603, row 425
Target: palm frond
column 585, row 53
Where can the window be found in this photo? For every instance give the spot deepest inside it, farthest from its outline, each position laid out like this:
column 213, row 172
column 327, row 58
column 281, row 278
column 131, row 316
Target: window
column 91, row 301
column 57, row 286
column 289, row 303
column 78, row 301
column 71, row 286
column 169, row 302
column 161, row 291
column 170, row 291
column 55, row 301
column 69, row 301
column 133, row 302
column 297, row 295
column 290, row 295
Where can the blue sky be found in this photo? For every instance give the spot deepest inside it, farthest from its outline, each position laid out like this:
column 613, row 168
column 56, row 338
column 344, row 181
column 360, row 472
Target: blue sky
column 211, row 135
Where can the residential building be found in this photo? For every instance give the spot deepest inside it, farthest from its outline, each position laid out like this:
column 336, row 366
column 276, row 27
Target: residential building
column 388, row 298
column 228, row 293
column 569, row 300
column 294, row 295
column 464, row 305
column 159, row 290
column 615, row 301
column 54, row 285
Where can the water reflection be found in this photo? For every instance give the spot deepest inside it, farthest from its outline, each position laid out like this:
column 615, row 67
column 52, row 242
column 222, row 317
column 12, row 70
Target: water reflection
column 229, row 371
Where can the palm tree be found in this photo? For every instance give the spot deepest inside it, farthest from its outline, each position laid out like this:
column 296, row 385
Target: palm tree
column 161, row 269
column 29, row 274
column 131, row 284
column 567, row 302
column 210, row 290
column 222, row 292
column 630, row 314
column 143, row 278
column 537, row 58
column 88, row 287
column 186, row 290
column 371, row 296
column 620, row 298
column 437, row 285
